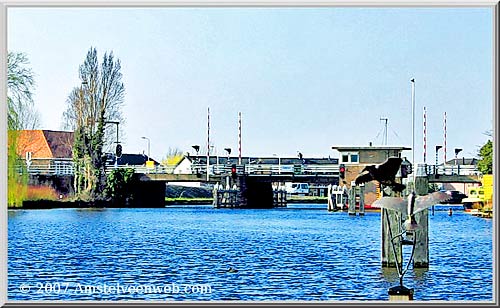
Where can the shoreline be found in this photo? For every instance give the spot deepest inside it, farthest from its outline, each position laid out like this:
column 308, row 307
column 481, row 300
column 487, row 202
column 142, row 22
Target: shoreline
column 63, row 204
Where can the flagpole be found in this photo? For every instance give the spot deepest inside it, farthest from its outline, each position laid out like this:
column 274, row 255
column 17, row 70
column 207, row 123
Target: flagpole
column 413, row 130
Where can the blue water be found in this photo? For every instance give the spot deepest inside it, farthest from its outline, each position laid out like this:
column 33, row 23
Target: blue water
column 299, row 253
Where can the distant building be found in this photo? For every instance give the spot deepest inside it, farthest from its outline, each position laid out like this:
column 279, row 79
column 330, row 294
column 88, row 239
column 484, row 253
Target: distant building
column 356, row 158
column 132, row 160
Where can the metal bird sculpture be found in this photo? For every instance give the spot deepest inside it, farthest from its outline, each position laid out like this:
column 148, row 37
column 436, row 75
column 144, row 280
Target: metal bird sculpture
column 411, row 205
column 384, row 173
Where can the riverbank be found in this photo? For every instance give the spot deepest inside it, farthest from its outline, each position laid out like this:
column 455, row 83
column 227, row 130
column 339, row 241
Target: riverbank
column 54, row 204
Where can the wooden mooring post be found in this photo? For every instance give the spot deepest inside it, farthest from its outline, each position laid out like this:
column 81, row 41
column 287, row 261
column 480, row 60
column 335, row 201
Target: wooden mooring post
column 225, row 198
column 355, row 191
column 361, row 191
column 337, row 197
column 352, row 200
column 392, row 253
column 391, row 226
column 279, row 197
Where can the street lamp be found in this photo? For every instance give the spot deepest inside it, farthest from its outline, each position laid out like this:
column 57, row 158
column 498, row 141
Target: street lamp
column 279, row 163
column 437, row 150
column 228, row 150
column 149, row 144
column 196, row 148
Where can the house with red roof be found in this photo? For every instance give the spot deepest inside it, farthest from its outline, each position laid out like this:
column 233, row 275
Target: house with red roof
column 46, row 151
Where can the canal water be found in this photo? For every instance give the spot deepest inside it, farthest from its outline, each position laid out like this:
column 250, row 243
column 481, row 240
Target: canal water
column 197, row 253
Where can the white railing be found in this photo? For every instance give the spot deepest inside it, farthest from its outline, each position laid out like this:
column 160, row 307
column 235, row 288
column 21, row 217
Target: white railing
column 160, row 169
column 423, row 169
column 60, row 166
column 266, row 169
column 67, row 168
column 63, row 169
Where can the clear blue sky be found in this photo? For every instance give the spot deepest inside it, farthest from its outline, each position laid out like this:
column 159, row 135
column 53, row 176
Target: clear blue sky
column 305, row 79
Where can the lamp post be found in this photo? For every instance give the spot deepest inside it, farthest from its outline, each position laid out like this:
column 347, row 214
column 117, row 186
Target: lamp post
column 197, row 149
column 413, row 128
column 228, row 150
column 279, row 163
column 437, row 151
column 457, row 150
column 149, row 148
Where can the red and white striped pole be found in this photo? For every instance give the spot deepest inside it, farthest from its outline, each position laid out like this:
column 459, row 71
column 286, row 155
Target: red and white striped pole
column 444, row 148
column 208, row 142
column 425, row 136
column 239, row 138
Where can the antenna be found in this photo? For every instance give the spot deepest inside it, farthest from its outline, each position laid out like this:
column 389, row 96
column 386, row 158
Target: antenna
column 384, row 142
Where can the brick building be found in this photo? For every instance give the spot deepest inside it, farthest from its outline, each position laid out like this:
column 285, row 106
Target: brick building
column 356, row 158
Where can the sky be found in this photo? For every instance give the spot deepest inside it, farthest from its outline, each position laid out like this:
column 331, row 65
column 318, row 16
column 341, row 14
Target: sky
column 304, row 79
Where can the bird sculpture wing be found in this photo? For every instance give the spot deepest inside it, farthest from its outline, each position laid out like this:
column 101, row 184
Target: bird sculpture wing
column 390, row 167
column 423, row 202
column 392, row 203
column 363, row 178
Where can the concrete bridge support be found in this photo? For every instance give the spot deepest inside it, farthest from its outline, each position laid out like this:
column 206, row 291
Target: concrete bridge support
column 148, row 194
column 258, row 195
column 249, row 193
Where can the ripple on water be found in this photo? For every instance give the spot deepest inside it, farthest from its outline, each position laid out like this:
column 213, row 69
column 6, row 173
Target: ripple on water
column 282, row 254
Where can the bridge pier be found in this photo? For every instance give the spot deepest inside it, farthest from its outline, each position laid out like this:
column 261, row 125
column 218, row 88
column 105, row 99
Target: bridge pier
column 246, row 192
column 148, row 194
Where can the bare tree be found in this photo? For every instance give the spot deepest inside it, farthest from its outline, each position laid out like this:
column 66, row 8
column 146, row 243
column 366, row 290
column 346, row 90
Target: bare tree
column 20, row 83
column 98, row 99
column 21, row 115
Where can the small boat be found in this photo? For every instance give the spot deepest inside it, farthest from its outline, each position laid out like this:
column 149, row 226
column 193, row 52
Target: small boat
column 472, row 205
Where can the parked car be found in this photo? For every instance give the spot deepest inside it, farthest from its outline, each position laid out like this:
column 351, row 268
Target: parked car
column 297, row 188
column 456, row 197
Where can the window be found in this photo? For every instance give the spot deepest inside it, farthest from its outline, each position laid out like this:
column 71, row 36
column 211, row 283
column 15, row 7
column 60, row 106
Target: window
column 354, row 158
column 350, row 158
column 345, row 158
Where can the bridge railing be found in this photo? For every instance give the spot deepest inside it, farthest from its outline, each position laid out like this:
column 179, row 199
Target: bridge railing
column 424, row 169
column 67, row 168
column 159, row 169
column 47, row 169
column 265, row 169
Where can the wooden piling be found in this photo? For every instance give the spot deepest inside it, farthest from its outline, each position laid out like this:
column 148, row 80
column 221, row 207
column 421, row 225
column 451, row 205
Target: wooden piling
column 361, row 200
column 352, row 201
column 390, row 227
column 421, row 237
column 331, row 205
column 279, row 198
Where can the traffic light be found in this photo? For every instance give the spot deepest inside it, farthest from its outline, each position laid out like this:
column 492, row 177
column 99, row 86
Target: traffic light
column 118, row 150
column 233, row 171
column 342, row 171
